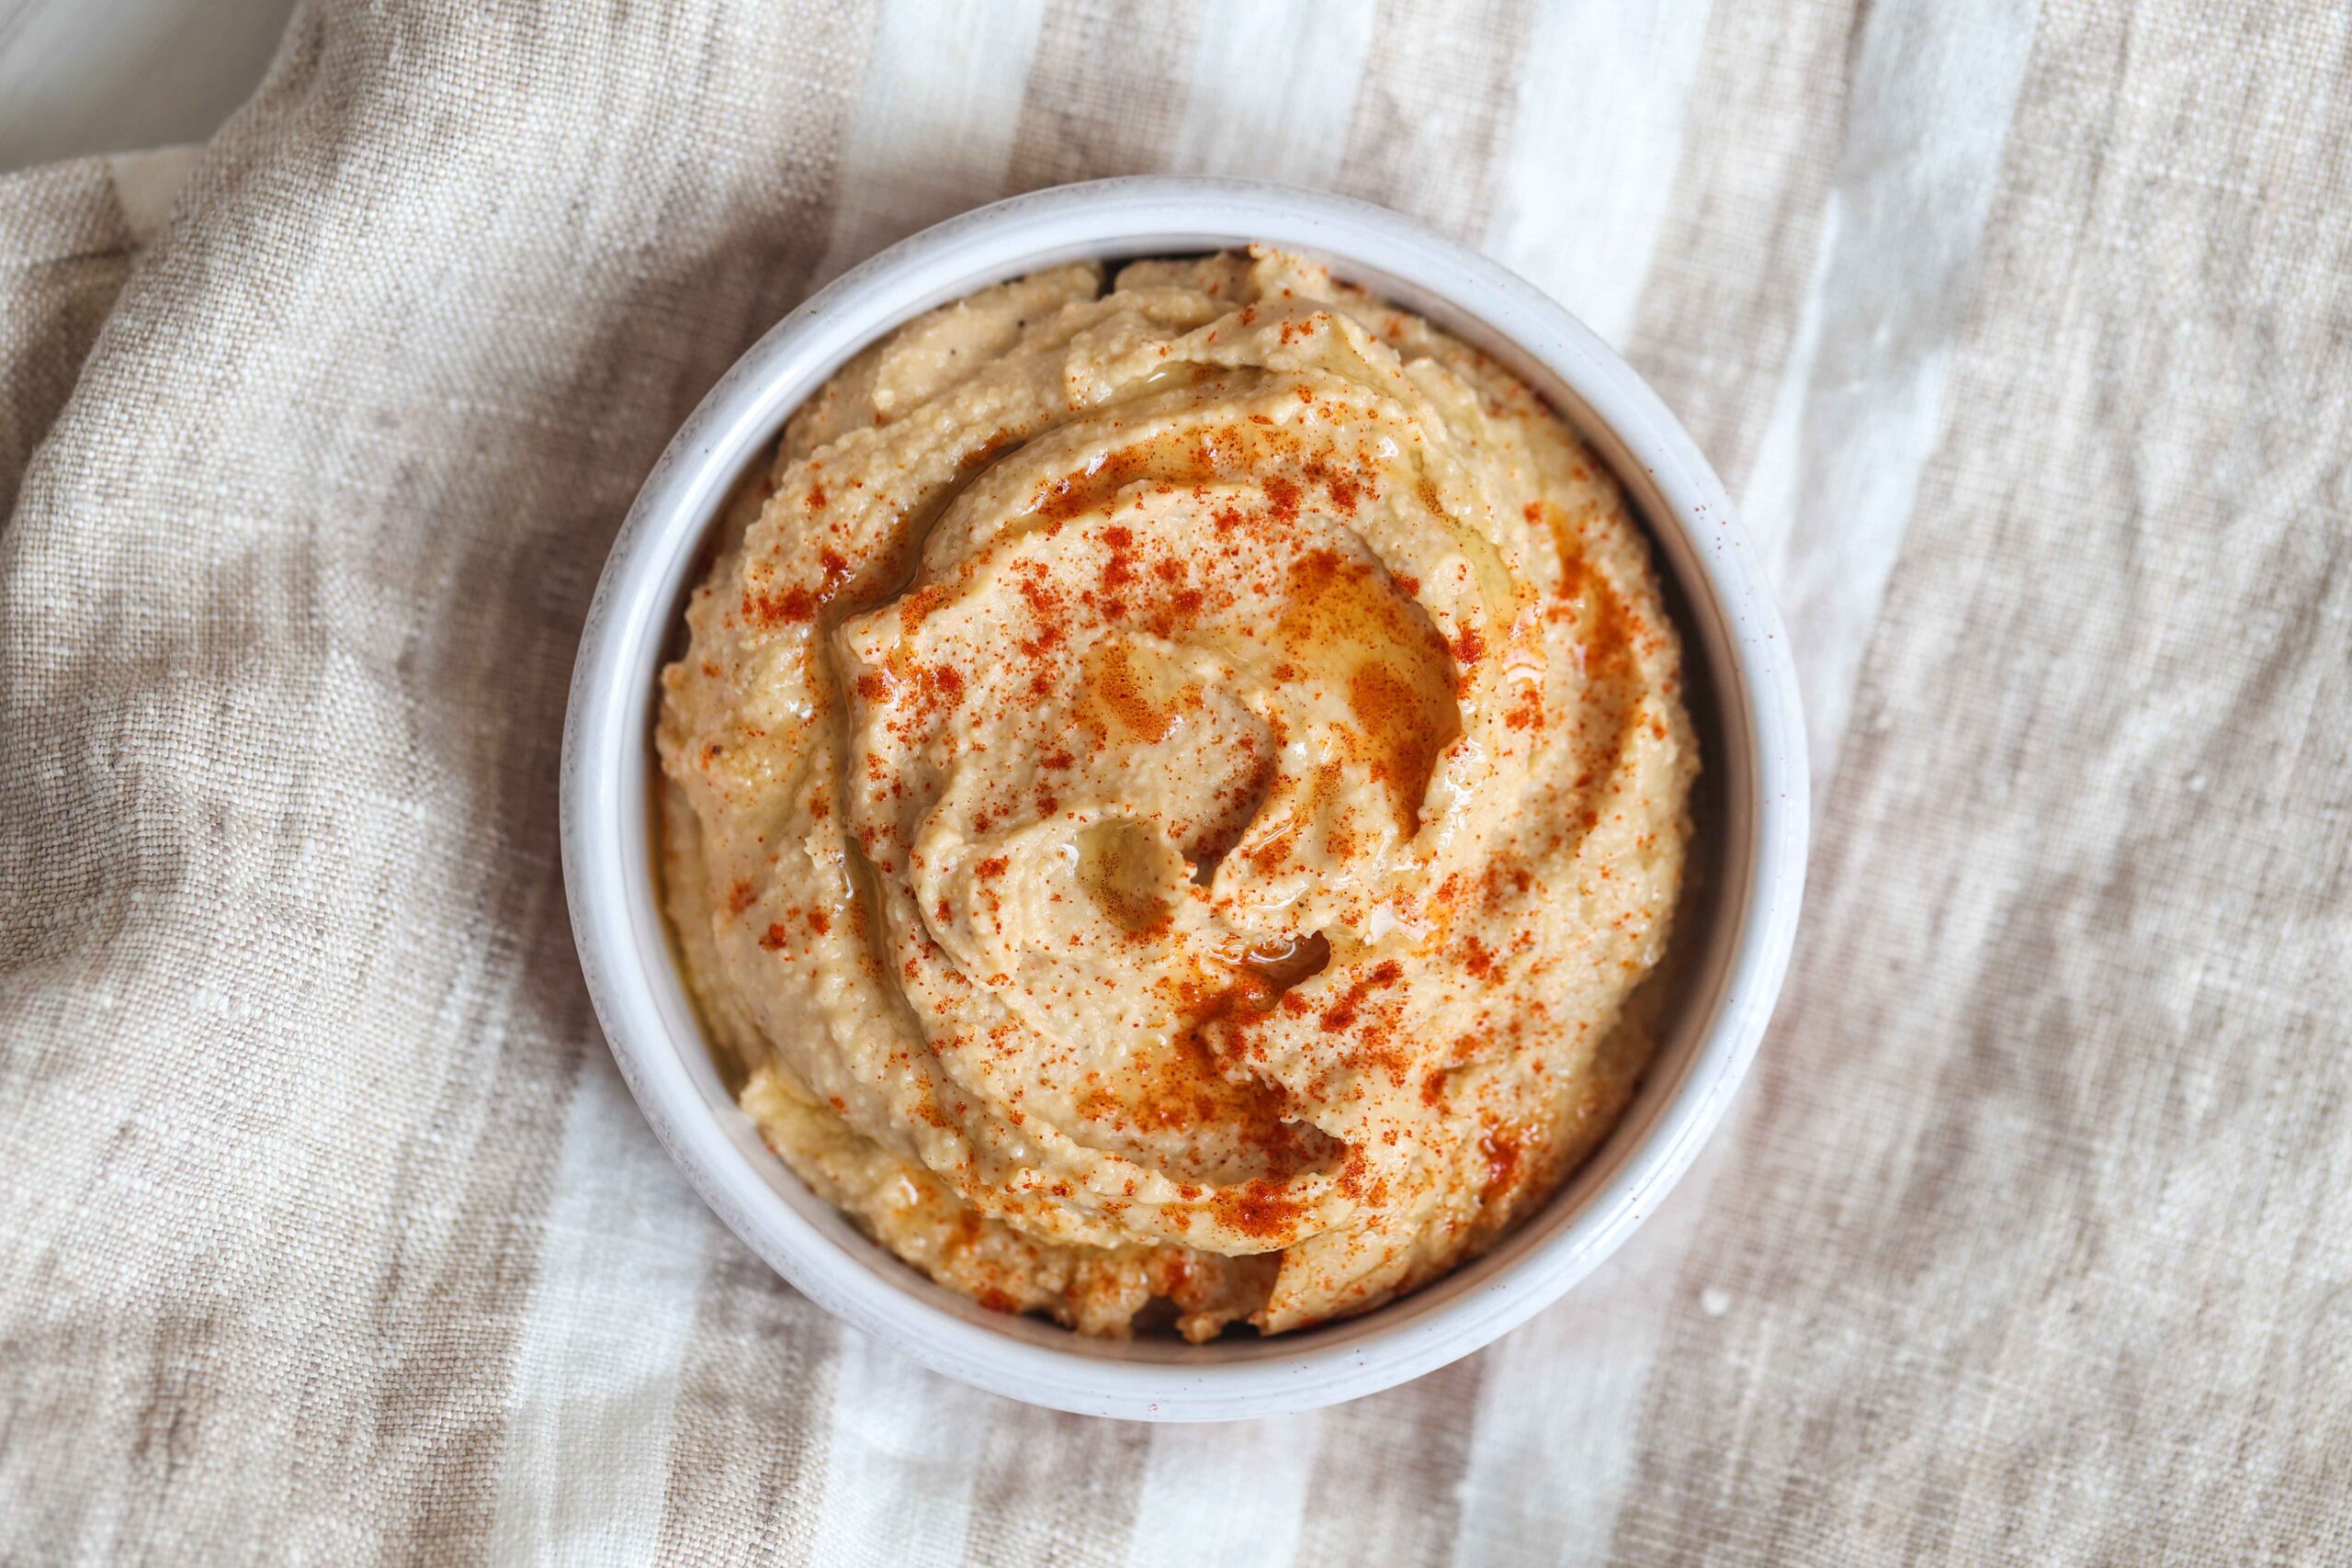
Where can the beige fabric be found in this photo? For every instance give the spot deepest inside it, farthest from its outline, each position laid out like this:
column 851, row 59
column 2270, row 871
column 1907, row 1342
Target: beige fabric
column 327, row 1233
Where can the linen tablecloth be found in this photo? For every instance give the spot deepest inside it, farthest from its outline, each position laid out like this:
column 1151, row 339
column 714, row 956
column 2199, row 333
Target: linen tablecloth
column 2023, row 331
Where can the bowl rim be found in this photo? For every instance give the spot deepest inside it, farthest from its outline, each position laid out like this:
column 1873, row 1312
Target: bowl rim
column 617, row 926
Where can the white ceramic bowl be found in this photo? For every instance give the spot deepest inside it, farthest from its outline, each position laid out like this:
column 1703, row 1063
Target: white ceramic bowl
column 1731, row 946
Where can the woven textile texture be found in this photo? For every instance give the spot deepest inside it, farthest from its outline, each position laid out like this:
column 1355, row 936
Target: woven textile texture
column 2023, row 333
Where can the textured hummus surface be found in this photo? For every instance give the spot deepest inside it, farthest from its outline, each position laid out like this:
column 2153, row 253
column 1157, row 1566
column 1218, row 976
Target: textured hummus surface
column 1170, row 792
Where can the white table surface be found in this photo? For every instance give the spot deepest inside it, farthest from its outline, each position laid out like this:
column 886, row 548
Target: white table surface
column 79, row 76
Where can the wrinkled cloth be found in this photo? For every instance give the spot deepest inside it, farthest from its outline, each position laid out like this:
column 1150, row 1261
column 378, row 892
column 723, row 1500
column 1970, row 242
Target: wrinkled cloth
column 327, row 1231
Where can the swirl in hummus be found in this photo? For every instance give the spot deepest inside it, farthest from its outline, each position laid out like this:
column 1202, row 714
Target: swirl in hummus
column 1170, row 792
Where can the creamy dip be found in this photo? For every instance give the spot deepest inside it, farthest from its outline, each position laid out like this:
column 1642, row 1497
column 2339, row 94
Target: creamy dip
column 1170, row 793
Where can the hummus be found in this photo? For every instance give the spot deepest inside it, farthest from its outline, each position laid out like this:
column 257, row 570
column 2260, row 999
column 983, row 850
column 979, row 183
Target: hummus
column 1170, row 793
